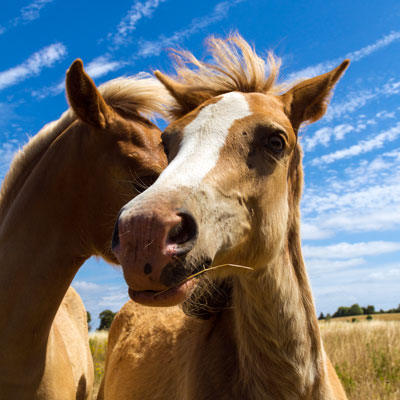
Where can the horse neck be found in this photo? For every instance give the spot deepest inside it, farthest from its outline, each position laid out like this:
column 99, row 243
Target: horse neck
column 278, row 338
column 25, row 160
column 41, row 245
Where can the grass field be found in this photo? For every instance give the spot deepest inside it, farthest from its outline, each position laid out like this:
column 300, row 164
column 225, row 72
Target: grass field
column 375, row 317
column 366, row 355
column 98, row 347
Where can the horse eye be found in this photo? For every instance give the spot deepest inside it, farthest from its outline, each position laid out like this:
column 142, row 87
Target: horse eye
column 276, row 143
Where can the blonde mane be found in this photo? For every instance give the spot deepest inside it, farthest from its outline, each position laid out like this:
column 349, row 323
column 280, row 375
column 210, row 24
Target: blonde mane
column 235, row 66
column 135, row 95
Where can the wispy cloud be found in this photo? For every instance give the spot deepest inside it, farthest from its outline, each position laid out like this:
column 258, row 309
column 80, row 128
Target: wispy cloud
column 44, row 58
column 310, row 231
column 354, row 56
column 27, row 14
column 358, row 99
column 154, row 48
column 128, row 24
column 374, row 185
column 379, row 44
column 323, row 136
column 350, row 250
column 365, row 198
column 48, row 91
column 7, row 113
column 86, row 286
column 102, row 65
column 323, row 264
column 361, row 147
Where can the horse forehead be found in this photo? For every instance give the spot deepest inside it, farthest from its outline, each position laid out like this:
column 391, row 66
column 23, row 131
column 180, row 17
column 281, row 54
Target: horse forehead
column 218, row 115
column 269, row 109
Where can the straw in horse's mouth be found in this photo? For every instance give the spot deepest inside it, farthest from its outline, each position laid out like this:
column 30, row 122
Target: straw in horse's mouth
column 200, row 273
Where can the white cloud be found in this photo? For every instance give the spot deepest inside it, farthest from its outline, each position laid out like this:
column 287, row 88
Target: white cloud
column 353, row 102
column 54, row 90
column 358, row 220
column 138, row 11
column 367, row 50
column 340, row 131
column 154, row 48
column 7, row 113
column 350, row 250
column 313, row 232
column 86, row 286
column 363, row 195
column 365, row 198
column 102, row 66
column 323, row 264
column 361, row 147
column 353, row 56
column 393, row 273
column 323, row 136
column 31, row 11
column 44, row 58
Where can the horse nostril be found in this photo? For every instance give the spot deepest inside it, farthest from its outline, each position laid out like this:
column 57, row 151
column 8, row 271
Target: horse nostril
column 185, row 231
column 115, row 237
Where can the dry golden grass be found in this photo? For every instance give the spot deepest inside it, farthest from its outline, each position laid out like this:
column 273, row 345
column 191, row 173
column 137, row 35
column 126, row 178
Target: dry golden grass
column 366, row 356
column 98, row 347
column 379, row 317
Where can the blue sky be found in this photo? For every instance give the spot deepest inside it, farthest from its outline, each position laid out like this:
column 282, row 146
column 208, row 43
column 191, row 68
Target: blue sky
column 351, row 202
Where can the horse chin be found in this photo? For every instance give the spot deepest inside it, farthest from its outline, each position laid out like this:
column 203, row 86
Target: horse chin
column 168, row 298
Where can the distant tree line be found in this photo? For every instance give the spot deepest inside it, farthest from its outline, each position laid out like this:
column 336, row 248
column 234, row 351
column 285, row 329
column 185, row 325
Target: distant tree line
column 355, row 310
column 106, row 318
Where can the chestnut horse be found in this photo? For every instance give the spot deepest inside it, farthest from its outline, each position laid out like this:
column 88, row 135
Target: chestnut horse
column 58, row 206
column 230, row 195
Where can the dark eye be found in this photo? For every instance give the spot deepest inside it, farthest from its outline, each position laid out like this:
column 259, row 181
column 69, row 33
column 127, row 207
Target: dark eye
column 276, row 143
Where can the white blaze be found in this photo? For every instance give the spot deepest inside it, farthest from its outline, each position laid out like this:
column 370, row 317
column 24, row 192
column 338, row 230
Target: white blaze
column 202, row 141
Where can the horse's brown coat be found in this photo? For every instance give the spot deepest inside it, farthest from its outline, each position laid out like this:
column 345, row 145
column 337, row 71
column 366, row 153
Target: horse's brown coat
column 58, row 205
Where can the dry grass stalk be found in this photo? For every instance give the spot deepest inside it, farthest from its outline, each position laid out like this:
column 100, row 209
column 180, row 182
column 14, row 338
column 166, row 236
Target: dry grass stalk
column 366, row 356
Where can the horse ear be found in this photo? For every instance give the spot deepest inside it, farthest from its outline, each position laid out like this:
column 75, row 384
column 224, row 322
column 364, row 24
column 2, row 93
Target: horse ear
column 308, row 100
column 186, row 98
column 84, row 98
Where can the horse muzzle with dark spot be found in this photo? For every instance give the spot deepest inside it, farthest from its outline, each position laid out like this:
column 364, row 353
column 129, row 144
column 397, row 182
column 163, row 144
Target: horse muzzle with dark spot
column 151, row 244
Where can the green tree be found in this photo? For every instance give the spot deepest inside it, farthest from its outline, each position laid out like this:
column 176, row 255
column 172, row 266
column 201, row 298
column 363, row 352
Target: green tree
column 328, row 317
column 106, row 318
column 321, row 316
column 341, row 312
column 368, row 310
column 89, row 319
column 355, row 309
